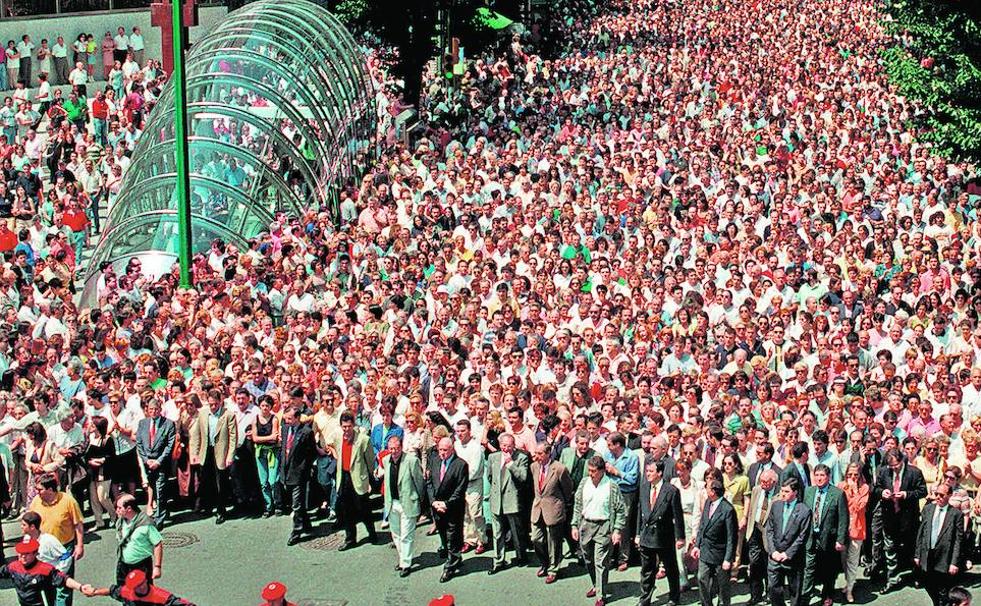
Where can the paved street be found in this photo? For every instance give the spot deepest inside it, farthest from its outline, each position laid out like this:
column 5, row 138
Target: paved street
column 228, row 565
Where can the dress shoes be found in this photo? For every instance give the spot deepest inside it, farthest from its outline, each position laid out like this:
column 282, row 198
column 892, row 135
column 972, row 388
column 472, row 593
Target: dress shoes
column 404, row 572
column 600, row 603
column 293, row 540
column 622, row 567
column 431, row 532
column 496, row 568
column 447, row 575
column 467, row 548
column 591, row 593
column 549, row 579
column 541, row 572
column 346, row 546
column 220, row 520
column 481, row 548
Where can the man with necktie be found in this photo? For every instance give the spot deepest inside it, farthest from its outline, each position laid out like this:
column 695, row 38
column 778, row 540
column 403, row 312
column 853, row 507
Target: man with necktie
column 715, row 546
column 448, row 477
column 553, row 495
column 787, row 531
column 660, row 531
column 760, row 503
column 938, row 545
column 900, row 486
column 798, row 467
column 155, row 437
column 299, row 449
column 828, row 536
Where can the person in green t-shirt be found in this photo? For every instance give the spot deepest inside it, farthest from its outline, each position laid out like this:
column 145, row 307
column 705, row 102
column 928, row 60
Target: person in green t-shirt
column 76, row 110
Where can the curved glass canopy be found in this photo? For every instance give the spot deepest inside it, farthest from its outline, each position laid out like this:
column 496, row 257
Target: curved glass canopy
column 281, row 113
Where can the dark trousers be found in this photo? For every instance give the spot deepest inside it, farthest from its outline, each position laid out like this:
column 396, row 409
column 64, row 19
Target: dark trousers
column 712, row 581
column 123, row 569
column 649, row 559
column 216, row 483
column 353, row 508
column 785, row 582
column 298, row 503
column 757, row 567
column 627, row 540
column 875, row 558
column 820, row 568
column 157, row 478
column 898, row 541
column 245, row 478
column 450, row 528
column 25, row 71
column 936, row 584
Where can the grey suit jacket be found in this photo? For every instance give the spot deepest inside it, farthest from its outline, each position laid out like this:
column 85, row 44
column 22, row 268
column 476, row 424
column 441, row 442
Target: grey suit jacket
column 792, row 539
column 163, row 442
column 506, row 484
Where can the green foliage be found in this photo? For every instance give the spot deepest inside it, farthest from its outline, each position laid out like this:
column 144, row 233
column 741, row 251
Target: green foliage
column 936, row 62
column 351, row 12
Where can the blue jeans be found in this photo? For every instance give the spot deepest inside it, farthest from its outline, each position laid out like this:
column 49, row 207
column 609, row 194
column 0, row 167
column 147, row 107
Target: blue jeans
column 64, row 595
column 326, row 477
column 3, row 77
column 78, row 242
column 268, row 467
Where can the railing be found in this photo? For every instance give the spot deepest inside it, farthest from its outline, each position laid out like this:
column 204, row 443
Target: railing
column 39, row 8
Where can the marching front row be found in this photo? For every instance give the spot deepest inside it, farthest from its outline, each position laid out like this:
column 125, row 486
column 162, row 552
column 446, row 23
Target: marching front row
column 797, row 536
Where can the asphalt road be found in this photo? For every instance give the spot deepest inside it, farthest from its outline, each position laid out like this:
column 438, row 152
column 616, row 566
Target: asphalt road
column 228, row 565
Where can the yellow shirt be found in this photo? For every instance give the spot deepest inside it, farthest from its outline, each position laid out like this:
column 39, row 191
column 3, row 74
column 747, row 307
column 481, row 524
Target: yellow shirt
column 59, row 518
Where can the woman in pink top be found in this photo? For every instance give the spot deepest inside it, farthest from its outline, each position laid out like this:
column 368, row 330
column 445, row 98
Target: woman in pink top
column 108, row 46
column 857, row 493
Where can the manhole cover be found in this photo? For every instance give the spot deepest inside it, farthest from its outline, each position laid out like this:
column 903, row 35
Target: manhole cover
column 309, row 602
column 176, row 540
column 328, row 543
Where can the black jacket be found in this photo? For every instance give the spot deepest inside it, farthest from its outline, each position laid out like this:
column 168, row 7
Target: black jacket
column 912, row 483
column 754, row 472
column 453, row 487
column 661, row 527
column 792, row 539
column 298, row 462
column 948, row 548
column 716, row 539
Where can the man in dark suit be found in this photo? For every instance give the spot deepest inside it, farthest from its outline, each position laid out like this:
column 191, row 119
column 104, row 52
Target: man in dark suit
column 155, row 436
column 787, row 531
column 446, row 484
column 299, row 449
column 938, row 545
column 660, row 530
column 764, row 461
column 871, row 464
column 900, row 487
column 575, row 458
column 828, row 536
column 550, row 508
column 798, row 467
column 715, row 546
column 760, row 503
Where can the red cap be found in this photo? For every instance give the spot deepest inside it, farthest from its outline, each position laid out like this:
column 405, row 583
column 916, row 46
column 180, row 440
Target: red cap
column 27, row 545
column 134, row 579
column 443, row 600
column 274, row 591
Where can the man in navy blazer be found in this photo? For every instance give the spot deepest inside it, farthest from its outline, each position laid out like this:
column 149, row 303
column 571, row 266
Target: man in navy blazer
column 715, row 546
column 787, row 529
column 660, row 530
column 155, row 437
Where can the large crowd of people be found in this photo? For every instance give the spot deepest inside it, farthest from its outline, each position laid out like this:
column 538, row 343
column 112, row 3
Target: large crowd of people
column 684, row 292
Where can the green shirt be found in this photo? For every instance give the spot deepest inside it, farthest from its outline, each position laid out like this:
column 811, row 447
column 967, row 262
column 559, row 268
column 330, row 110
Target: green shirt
column 141, row 544
column 75, row 111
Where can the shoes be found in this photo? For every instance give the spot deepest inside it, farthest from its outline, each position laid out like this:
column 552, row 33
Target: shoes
column 220, row 520
column 660, row 574
column 550, row 579
column 481, row 548
column 827, row 602
column 591, row 593
column 849, row 597
column 431, row 532
column 622, row 567
column 293, row 540
column 541, row 572
column 441, row 553
column 331, row 518
column 347, row 546
column 267, row 514
column 890, row 587
column 447, row 575
column 404, row 572
column 373, row 539
column 467, row 548
column 496, row 568
column 600, row 603
column 384, row 524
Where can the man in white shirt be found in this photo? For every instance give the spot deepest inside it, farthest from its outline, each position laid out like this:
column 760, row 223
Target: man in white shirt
column 60, row 53
column 471, row 451
column 121, row 41
column 25, row 48
column 52, row 551
column 598, row 518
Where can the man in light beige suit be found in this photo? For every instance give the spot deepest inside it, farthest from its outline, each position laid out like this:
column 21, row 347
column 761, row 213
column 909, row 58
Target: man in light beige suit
column 355, row 464
column 760, row 502
column 404, row 487
column 507, row 473
column 213, row 439
column 553, row 497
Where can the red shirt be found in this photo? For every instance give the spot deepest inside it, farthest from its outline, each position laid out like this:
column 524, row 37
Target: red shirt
column 8, row 240
column 76, row 220
column 346, row 455
column 100, row 109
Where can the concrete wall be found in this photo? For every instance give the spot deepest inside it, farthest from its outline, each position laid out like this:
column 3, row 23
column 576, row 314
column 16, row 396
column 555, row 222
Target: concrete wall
column 71, row 25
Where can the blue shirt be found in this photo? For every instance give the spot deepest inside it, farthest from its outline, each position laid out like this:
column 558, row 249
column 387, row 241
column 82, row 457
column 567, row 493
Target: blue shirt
column 628, row 464
column 213, row 425
column 380, row 436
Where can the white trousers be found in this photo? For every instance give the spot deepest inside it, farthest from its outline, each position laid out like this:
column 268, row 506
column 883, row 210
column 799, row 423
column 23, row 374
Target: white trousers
column 403, row 530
